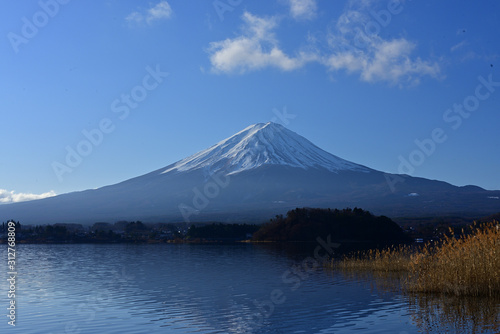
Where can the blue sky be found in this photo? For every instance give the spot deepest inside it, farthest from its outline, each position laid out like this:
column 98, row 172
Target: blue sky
column 133, row 86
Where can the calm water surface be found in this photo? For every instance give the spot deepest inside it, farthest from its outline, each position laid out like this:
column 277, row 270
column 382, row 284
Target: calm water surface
column 213, row 289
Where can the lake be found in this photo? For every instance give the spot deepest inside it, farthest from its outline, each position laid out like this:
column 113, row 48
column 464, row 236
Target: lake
column 240, row 288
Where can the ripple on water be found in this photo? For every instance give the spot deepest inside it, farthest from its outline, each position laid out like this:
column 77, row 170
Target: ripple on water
column 207, row 289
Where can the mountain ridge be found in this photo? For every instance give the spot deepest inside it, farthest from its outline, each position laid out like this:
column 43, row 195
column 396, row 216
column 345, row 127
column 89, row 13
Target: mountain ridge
column 260, row 144
column 263, row 170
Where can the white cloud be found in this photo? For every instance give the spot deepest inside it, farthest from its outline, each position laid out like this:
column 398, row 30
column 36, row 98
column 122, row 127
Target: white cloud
column 354, row 45
column 303, row 9
column 383, row 61
column 160, row 11
column 13, row 197
column 256, row 49
column 356, row 49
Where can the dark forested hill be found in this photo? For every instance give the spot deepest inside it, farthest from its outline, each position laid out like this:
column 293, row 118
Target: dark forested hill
column 307, row 224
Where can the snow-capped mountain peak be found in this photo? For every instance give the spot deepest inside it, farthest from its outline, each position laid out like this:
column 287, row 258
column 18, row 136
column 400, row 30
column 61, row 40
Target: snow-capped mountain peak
column 300, row 178
column 263, row 144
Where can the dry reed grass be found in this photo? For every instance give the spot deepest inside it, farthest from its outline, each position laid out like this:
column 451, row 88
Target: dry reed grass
column 465, row 266
column 392, row 259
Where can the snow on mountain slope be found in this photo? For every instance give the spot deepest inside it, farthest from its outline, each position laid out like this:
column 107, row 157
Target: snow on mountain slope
column 261, row 185
column 263, row 144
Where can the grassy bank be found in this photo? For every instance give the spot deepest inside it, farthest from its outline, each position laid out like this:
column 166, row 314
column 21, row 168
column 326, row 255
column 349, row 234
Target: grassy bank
column 467, row 265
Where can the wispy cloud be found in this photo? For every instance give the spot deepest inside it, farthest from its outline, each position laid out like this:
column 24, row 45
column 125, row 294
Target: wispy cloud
column 255, row 49
column 348, row 48
column 160, row 11
column 7, row 196
column 376, row 59
column 458, row 46
column 383, row 60
column 303, row 9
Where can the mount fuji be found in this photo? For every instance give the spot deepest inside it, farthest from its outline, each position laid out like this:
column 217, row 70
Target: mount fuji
column 263, row 144
column 251, row 176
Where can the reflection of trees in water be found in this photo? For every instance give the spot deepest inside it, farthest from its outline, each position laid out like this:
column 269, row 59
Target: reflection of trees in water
column 436, row 313
column 455, row 315
column 381, row 282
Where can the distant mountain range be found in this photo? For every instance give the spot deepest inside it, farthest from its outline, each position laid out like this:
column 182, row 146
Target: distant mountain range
column 251, row 176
